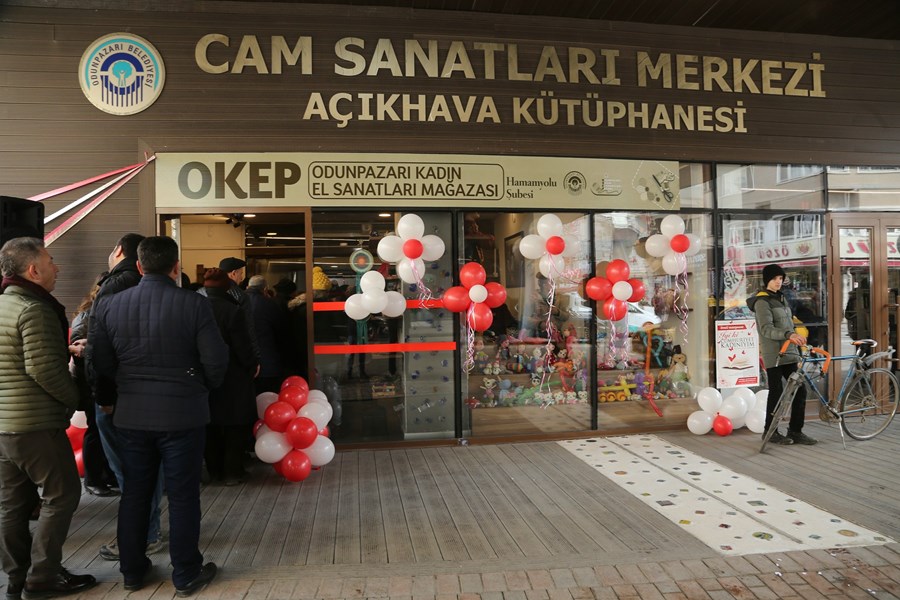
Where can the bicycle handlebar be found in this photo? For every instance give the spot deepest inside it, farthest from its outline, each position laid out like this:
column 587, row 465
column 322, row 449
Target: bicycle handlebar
column 813, row 350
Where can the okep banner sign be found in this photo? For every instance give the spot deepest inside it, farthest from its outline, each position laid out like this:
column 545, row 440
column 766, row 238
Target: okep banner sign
column 121, row 74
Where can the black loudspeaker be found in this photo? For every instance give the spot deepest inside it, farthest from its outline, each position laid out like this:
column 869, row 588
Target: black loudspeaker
column 20, row 218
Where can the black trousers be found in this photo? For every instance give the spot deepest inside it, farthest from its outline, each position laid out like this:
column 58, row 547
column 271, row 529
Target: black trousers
column 776, row 377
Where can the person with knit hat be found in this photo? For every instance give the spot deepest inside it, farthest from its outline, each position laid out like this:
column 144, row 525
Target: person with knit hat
column 775, row 325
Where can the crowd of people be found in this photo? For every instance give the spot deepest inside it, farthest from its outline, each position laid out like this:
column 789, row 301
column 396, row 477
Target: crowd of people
column 167, row 378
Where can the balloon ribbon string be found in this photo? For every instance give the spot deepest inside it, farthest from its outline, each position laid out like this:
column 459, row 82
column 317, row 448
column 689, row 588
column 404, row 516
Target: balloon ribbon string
column 470, row 340
column 424, row 294
column 681, row 308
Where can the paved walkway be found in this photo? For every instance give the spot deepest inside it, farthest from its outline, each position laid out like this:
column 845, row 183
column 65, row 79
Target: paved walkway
column 433, row 498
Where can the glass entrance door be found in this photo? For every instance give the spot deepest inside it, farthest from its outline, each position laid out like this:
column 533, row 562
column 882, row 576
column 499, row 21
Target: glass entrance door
column 864, row 295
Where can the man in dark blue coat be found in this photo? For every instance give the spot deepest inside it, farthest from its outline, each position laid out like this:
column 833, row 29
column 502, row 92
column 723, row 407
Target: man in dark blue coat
column 162, row 347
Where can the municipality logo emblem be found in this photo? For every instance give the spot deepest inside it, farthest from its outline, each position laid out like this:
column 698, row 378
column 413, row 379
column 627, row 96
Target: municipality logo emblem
column 121, row 74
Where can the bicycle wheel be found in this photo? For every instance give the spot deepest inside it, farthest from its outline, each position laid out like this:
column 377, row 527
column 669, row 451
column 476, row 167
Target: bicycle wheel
column 783, row 407
column 869, row 403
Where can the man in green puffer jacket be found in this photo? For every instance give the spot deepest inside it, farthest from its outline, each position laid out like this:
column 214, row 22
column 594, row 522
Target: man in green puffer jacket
column 37, row 398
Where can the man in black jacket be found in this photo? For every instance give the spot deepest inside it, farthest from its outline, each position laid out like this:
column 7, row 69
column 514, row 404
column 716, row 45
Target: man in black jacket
column 123, row 274
column 161, row 346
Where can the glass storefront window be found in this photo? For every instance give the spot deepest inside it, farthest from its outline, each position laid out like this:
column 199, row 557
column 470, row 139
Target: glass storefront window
column 394, row 376
column 794, row 241
column 657, row 355
column 529, row 371
column 695, row 180
column 864, row 188
column 770, row 187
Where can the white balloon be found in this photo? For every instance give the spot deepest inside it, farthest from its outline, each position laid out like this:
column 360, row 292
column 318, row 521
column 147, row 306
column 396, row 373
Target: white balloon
column 549, row 225
column 375, row 300
column 572, row 248
column 532, row 246
column 671, row 226
column 396, row 304
column 320, row 452
column 747, row 395
column 733, row 406
column 695, row 246
column 756, row 421
column 738, row 422
column 262, row 429
column 410, row 226
column 263, row 401
column 271, row 447
column 432, row 247
column 316, row 396
column 478, row 293
column 410, row 271
column 319, row 413
column 621, row 290
column 390, row 248
column 699, row 422
column 657, row 245
column 355, row 307
column 79, row 420
column 552, row 266
column 674, row 263
column 371, row 280
column 762, row 400
column 709, row 400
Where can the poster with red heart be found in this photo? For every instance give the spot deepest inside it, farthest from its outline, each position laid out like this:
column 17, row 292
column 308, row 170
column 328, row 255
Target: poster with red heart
column 737, row 354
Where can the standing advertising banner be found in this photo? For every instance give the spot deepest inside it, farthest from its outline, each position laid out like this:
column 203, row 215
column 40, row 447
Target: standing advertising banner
column 737, row 354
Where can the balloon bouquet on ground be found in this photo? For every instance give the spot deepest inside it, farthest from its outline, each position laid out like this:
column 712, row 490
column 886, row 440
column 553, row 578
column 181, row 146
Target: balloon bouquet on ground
column 75, row 432
column 292, row 433
column 723, row 415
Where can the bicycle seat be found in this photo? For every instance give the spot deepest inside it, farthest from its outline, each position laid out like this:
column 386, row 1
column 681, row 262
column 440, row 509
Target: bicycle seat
column 865, row 342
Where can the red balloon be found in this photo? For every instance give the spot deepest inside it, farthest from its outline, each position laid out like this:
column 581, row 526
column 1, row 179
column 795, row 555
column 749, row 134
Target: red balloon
column 680, row 243
column 76, row 436
column 598, row 288
column 472, row 274
column 413, row 249
column 79, row 462
column 481, row 317
column 278, row 467
column 301, row 433
column 295, row 395
column 278, row 415
column 617, row 270
column 295, row 380
column 615, row 310
column 722, row 425
column 637, row 290
column 324, row 431
column 555, row 245
column 296, row 466
column 496, row 294
column 259, row 423
column 456, row 299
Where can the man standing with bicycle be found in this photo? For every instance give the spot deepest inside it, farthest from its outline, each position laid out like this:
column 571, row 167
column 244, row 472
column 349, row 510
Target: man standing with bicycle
column 775, row 325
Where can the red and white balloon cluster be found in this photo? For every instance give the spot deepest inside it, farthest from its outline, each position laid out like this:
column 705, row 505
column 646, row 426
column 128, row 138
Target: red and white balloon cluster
column 741, row 407
column 475, row 296
column 615, row 290
column 410, row 248
column 673, row 245
column 292, row 433
column 548, row 245
column 373, row 299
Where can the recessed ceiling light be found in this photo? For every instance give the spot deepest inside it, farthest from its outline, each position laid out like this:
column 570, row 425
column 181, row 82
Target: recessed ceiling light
column 334, row 266
column 384, row 214
column 272, row 233
column 249, row 215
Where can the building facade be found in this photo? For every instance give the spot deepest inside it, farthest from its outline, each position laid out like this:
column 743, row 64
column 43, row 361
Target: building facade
column 298, row 136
